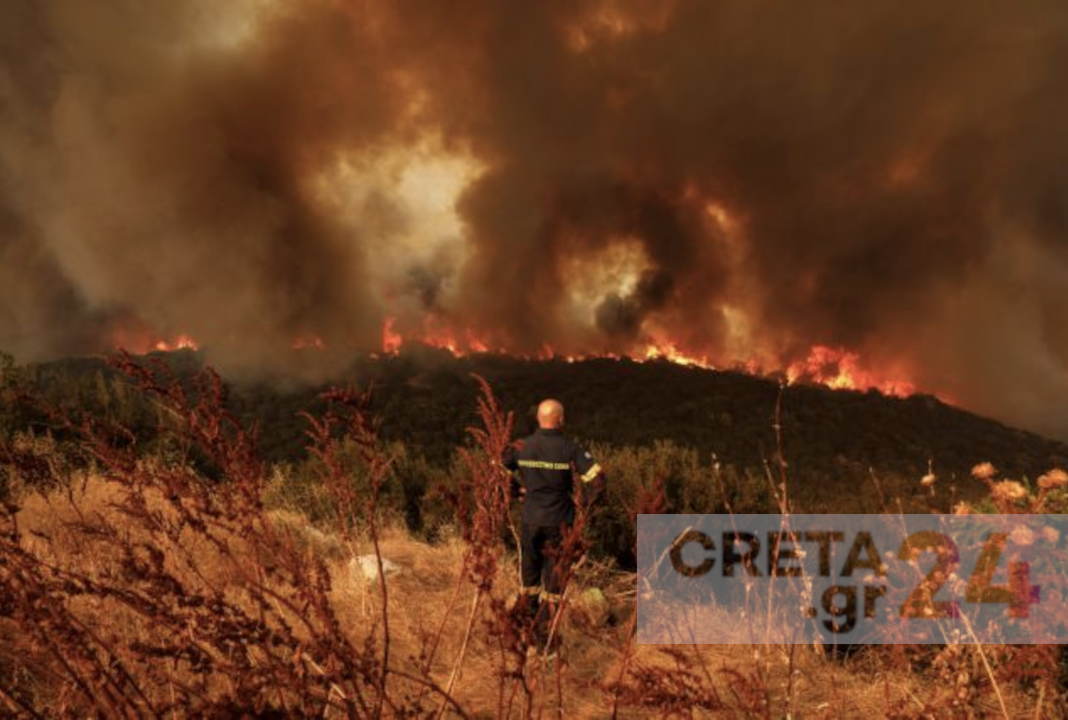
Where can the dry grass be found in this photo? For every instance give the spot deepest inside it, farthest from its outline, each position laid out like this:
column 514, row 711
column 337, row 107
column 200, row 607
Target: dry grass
column 748, row 680
column 141, row 589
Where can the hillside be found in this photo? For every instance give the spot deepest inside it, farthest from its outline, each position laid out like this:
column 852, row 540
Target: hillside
column 834, row 441
column 427, row 397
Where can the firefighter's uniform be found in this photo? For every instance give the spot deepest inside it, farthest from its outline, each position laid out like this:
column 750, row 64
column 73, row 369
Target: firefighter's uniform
column 547, row 464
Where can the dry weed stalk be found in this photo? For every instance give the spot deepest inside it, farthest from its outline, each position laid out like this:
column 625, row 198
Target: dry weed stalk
column 195, row 601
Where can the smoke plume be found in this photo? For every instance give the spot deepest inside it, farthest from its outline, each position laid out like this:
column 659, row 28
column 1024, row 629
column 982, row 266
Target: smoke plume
column 743, row 181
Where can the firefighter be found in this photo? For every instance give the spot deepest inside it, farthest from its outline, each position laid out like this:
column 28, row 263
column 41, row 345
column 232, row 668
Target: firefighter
column 547, row 464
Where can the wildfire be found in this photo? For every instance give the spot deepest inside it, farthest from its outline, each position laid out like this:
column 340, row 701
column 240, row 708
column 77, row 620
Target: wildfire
column 836, row 368
column 840, row 369
column 833, row 367
column 139, row 341
column 435, row 333
column 391, row 340
column 182, row 342
column 668, row 351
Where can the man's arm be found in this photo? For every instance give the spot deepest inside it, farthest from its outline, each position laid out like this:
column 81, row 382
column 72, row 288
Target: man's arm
column 510, row 462
column 510, row 459
column 591, row 475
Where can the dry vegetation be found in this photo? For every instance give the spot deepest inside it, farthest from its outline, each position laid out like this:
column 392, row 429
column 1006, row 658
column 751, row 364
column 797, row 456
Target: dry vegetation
column 145, row 587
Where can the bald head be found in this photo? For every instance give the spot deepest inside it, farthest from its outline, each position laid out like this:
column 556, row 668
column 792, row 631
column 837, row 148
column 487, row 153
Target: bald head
column 550, row 415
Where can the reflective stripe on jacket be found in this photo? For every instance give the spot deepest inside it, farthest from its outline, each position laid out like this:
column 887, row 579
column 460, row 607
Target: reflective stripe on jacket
column 547, row 464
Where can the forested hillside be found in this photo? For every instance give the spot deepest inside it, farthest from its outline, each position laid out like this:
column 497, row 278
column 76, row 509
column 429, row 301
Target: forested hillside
column 845, row 451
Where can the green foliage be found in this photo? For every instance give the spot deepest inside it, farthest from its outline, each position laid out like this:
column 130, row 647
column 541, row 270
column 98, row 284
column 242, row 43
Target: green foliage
column 708, row 435
column 411, row 498
column 417, row 493
column 692, row 484
column 425, row 399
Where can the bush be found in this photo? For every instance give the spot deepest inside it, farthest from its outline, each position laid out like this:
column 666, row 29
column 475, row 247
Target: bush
column 690, row 484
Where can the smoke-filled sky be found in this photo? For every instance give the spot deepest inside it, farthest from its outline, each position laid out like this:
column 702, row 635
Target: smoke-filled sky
column 743, row 180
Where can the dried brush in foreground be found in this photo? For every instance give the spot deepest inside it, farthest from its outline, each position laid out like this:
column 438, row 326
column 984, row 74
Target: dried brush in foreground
column 145, row 585
column 183, row 595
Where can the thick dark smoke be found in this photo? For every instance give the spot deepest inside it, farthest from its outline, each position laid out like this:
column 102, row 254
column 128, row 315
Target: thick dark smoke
column 622, row 317
column 746, row 180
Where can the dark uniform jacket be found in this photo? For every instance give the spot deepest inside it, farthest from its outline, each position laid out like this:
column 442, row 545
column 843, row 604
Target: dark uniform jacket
column 547, row 464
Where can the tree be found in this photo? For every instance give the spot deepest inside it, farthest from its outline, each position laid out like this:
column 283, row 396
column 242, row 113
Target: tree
column 11, row 379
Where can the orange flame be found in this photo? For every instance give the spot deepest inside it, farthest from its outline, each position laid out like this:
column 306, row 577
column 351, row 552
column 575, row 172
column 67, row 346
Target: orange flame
column 668, row 351
column 182, row 342
column 840, row 369
column 140, row 341
column 391, row 340
column 436, row 333
column 833, row 367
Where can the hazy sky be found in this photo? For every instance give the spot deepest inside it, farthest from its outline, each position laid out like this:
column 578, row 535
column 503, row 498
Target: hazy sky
column 744, row 180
